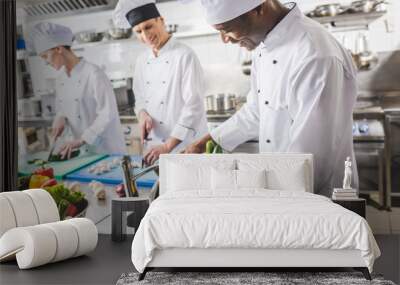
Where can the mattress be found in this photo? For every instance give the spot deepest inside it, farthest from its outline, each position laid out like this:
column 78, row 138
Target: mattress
column 250, row 219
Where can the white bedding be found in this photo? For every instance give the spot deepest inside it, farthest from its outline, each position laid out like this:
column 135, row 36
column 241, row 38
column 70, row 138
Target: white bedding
column 251, row 218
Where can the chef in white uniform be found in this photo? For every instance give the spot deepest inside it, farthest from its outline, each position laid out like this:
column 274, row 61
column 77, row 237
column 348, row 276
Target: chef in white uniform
column 168, row 82
column 85, row 100
column 303, row 86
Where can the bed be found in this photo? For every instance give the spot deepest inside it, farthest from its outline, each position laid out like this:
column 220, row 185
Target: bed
column 247, row 210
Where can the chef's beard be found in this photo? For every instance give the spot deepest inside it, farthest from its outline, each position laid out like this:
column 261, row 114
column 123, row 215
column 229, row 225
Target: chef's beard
column 248, row 44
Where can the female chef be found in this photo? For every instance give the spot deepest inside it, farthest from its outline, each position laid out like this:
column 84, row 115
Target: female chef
column 168, row 82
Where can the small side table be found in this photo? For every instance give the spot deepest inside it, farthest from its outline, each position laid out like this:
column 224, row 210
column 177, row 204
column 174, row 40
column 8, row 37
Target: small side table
column 137, row 205
column 355, row 205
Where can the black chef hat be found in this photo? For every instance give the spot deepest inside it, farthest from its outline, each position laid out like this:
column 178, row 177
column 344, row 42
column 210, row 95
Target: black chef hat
column 142, row 13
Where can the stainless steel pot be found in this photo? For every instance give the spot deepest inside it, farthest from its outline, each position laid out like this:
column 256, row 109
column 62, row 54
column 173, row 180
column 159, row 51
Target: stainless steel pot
column 210, row 104
column 364, row 6
column 89, row 37
column 230, row 102
column 366, row 60
column 328, row 10
column 117, row 33
column 220, row 103
column 380, row 7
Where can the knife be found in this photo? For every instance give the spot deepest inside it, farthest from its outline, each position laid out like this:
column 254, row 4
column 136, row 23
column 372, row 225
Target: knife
column 52, row 146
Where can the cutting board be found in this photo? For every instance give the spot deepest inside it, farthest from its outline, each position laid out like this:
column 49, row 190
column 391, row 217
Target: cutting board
column 115, row 176
column 61, row 168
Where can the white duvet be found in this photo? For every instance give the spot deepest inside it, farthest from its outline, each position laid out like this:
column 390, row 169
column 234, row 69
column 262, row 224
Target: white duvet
column 253, row 218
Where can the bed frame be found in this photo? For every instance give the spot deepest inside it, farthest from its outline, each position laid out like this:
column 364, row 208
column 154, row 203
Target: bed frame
column 242, row 259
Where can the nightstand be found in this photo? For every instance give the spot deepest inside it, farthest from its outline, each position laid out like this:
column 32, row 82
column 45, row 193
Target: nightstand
column 355, row 205
column 137, row 205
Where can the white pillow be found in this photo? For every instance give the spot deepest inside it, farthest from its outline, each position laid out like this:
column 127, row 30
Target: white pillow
column 251, row 178
column 227, row 179
column 289, row 174
column 223, row 179
column 193, row 176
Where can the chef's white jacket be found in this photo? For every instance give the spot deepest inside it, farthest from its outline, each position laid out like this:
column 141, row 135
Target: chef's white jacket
column 303, row 89
column 87, row 100
column 170, row 88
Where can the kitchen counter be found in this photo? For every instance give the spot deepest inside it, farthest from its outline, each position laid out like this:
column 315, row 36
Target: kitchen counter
column 370, row 113
column 99, row 211
column 390, row 104
column 210, row 117
column 35, row 122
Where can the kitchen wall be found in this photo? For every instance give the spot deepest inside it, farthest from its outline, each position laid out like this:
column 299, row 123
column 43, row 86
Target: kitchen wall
column 384, row 33
column 118, row 58
column 175, row 12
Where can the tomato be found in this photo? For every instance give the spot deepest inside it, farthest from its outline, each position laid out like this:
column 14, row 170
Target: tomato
column 71, row 211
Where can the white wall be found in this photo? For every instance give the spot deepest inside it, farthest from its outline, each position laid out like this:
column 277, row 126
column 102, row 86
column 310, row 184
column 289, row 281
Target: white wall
column 213, row 54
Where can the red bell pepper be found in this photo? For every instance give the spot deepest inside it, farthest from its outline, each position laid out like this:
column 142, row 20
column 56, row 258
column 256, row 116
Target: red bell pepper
column 49, row 172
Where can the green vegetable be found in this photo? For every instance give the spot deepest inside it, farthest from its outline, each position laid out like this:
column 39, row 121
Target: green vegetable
column 210, row 146
column 62, row 208
column 58, row 157
column 63, row 197
column 37, row 161
column 75, row 197
column 218, row 149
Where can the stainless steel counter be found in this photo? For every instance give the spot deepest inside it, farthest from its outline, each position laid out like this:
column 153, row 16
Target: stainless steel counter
column 34, row 122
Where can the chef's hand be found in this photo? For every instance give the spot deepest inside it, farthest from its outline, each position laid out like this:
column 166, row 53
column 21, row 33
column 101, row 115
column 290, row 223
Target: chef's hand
column 68, row 147
column 145, row 125
column 198, row 146
column 58, row 127
column 154, row 153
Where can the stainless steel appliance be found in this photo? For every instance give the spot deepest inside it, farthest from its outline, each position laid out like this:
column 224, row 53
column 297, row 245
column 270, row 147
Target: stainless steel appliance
column 380, row 87
column 369, row 146
column 124, row 96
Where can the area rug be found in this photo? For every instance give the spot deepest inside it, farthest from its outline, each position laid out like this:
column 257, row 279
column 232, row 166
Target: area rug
column 244, row 278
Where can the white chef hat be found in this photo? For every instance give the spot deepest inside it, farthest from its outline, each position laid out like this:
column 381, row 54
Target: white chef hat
column 45, row 36
column 221, row 11
column 129, row 13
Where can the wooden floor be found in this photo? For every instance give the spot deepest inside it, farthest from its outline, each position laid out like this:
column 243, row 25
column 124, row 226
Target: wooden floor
column 110, row 260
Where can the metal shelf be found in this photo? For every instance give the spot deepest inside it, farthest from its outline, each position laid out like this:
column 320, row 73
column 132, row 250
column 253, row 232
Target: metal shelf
column 132, row 39
column 350, row 20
